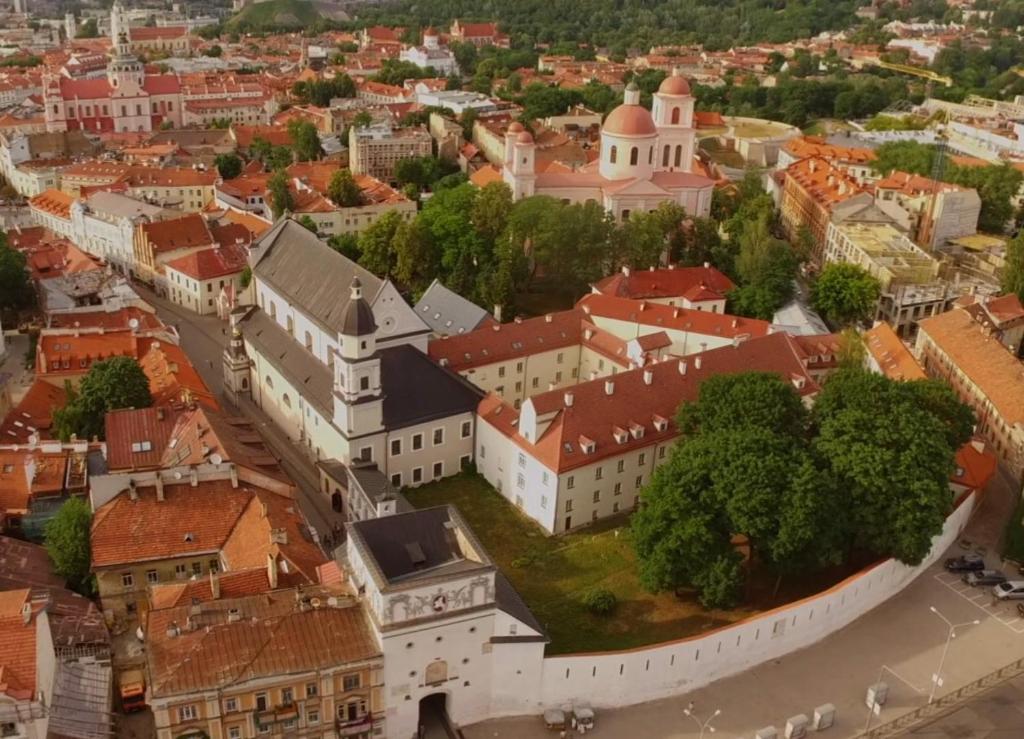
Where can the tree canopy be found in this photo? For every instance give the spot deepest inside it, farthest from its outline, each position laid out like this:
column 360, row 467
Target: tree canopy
column 305, row 140
column 109, row 385
column 845, row 294
column 866, row 470
column 15, row 286
column 228, row 165
column 344, row 190
column 67, row 542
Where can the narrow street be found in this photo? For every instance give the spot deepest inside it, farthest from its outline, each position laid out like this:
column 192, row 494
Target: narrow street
column 203, row 338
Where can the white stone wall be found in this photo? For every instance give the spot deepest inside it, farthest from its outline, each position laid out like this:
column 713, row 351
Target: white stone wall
column 624, row 678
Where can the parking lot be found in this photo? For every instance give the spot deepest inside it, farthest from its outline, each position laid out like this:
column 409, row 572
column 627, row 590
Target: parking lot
column 1005, row 612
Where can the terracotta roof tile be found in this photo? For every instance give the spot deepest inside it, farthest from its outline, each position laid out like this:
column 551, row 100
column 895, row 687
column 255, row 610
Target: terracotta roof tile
column 892, row 356
column 207, row 264
column 178, row 233
column 667, row 283
column 137, row 438
column 33, row 414
column 17, row 647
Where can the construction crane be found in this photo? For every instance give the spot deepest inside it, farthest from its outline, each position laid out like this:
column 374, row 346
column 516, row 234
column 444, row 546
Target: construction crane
column 926, row 234
column 915, row 71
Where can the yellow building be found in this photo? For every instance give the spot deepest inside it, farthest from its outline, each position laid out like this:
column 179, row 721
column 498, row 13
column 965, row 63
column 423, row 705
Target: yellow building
column 293, row 662
column 983, row 373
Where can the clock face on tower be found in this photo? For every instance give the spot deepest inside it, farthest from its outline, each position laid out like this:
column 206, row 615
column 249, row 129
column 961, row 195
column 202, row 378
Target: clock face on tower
column 440, row 602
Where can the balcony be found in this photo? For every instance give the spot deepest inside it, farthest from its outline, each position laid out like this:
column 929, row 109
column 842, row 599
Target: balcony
column 354, row 727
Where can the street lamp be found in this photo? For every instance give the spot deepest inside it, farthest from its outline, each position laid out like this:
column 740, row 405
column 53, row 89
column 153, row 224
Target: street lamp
column 949, row 637
column 704, row 725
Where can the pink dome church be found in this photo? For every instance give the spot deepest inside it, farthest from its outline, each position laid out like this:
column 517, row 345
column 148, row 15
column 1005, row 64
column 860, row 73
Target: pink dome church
column 646, row 158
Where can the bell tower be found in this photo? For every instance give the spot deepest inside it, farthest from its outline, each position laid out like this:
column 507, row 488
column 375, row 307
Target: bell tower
column 358, row 396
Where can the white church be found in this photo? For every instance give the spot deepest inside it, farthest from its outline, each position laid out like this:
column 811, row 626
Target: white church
column 646, row 158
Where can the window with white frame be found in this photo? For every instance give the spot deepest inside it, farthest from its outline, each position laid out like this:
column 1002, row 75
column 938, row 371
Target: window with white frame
column 187, row 713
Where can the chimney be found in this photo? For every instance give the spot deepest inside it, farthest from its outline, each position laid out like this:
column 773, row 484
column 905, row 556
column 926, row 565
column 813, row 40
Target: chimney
column 215, row 585
column 696, row 362
column 682, row 366
column 132, row 492
column 159, row 488
column 609, row 387
column 497, row 327
column 193, row 477
column 26, row 612
column 735, row 322
column 703, row 346
column 568, row 400
column 625, row 270
column 707, row 265
column 547, row 318
column 272, row 571
column 671, row 266
column 518, row 319
column 497, row 312
column 648, row 377
column 234, row 476
column 588, row 334
column 159, row 414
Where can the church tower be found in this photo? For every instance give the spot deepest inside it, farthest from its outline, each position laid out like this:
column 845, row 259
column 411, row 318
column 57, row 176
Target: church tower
column 673, row 116
column 236, row 362
column 125, row 71
column 520, row 167
column 358, row 396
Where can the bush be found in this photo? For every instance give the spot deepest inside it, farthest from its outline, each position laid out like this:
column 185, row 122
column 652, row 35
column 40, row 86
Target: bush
column 600, row 601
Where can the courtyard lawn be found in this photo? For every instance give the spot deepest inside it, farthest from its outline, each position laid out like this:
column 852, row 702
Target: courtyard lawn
column 551, row 573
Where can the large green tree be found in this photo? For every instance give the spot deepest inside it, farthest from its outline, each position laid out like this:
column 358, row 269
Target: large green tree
column 67, row 542
column 109, row 385
column 1013, row 272
column 377, row 244
column 279, row 188
column 305, row 140
column 15, row 285
column 845, row 294
column 766, row 267
column 228, row 166
column 890, row 446
column 344, row 190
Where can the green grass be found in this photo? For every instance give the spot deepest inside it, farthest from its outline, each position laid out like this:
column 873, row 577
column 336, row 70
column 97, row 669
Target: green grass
column 552, row 573
column 274, row 14
column 1013, row 539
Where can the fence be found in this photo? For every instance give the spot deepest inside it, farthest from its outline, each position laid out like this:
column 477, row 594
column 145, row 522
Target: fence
column 898, row 726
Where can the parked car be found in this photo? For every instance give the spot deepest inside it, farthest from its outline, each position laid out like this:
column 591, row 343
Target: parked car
column 1009, row 590
column 984, row 577
column 965, row 563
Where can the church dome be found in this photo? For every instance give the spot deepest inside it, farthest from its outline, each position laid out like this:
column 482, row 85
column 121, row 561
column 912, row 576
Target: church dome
column 524, row 137
column 630, row 120
column 674, row 84
column 515, row 127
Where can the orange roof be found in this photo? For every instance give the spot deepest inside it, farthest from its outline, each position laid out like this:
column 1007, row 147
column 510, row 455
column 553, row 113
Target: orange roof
column 207, row 264
column 170, row 177
column 185, row 232
column 67, row 353
column 254, row 224
column 982, row 358
column 826, row 184
column 641, row 405
column 275, row 135
column 172, row 378
column 502, row 342
column 668, row 317
column 668, row 283
column 54, row 202
column 17, row 646
column 117, row 319
column 486, row 175
column 15, row 485
column 891, row 355
column 232, row 585
column 913, row 184
column 33, row 414
column 816, row 146
column 975, row 466
column 137, row 437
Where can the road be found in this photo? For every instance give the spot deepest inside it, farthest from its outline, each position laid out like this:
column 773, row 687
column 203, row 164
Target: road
column 901, row 634
column 203, row 339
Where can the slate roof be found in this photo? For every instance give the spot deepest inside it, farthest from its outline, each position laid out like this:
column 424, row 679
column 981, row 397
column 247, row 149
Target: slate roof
column 447, row 312
column 407, row 545
column 309, row 273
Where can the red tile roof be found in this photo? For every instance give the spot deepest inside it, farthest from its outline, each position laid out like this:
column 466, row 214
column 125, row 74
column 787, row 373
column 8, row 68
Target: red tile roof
column 54, row 202
column 825, row 184
column 70, row 354
column 596, row 417
column 815, row 146
column 668, row 317
column 85, row 89
column 17, row 646
column 506, row 341
column 33, row 414
column 913, row 184
column 117, row 319
column 137, row 438
column 975, row 466
column 172, row 378
column 232, row 585
column 207, row 264
column 667, row 283
column 160, row 84
column 185, row 232
column 15, row 485
column 891, row 354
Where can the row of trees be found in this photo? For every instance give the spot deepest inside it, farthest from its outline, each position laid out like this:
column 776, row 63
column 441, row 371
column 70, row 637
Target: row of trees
column 866, row 471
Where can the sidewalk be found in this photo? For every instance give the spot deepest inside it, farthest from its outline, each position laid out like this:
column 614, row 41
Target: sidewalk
column 902, row 634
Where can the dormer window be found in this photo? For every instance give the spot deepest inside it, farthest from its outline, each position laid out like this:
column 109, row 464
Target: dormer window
column 589, row 446
column 660, row 423
column 620, row 435
column 636, row 430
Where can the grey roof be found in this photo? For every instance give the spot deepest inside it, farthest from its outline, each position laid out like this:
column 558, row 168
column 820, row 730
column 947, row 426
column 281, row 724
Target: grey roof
column 374, row 484
column 80, row 703
column 309, row 376
column 417, row 390
column 447, row 312
column 509, row 600
column 121, row 206
column 313, row 276
column 358, row 317
column 419, row 543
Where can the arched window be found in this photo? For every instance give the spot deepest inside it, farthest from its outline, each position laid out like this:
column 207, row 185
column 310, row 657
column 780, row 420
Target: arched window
column 286, row 400
column 665, row 155
column 634, row 155
column 679, row 155
column 650, row 155
column 269, row 383
column 675, row 116
column 613, row 154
